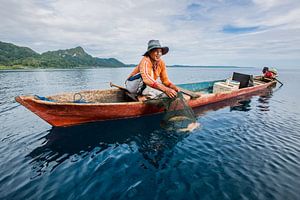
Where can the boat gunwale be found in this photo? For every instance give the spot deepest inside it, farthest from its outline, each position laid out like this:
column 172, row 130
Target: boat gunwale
column 202, row 95
column 71, row 103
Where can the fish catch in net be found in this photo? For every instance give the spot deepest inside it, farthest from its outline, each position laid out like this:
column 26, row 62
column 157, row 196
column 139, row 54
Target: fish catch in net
column 179, row 115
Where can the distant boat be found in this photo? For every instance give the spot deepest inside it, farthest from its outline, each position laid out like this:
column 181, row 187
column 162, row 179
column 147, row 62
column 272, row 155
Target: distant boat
column 99, row 105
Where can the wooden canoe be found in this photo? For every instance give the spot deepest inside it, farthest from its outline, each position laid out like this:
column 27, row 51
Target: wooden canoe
column 100, row 105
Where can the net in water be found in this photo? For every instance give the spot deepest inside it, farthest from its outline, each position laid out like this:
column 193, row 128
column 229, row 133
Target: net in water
column 178, row 115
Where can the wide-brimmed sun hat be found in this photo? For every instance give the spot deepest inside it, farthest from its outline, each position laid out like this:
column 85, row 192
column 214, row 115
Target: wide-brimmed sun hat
column 154, row 44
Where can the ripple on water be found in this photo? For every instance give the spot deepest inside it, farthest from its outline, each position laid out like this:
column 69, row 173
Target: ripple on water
column 248, row 150
column 229, row 147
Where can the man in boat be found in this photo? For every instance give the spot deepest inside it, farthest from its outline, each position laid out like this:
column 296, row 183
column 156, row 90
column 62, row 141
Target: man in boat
column 143, row 83
column 269, row 73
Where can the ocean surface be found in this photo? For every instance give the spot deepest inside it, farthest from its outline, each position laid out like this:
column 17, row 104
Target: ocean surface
column 245, row 148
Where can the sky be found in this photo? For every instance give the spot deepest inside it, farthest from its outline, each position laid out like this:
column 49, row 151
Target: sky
column 246, row 33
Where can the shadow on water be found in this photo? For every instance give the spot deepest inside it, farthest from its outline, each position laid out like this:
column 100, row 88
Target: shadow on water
column 145, row 133
column 154, row 143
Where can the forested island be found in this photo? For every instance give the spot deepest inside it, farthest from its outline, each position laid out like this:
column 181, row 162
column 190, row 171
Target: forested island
column 16, row 57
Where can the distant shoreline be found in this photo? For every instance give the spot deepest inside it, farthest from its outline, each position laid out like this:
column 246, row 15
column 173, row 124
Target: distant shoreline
column 207, row 66
column 26, row 68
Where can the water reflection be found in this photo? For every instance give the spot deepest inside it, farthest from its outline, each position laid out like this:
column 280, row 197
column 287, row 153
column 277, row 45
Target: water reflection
column 264, row 100
column 241, row 103
column 243, row 106
column 244, row 103
column 145, row 133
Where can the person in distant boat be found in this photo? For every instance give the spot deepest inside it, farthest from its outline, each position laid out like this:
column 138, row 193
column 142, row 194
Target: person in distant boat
column 269, row 73
column 143, row 79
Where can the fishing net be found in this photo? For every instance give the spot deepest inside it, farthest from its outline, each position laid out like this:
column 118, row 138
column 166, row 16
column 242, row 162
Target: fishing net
column 178, row 115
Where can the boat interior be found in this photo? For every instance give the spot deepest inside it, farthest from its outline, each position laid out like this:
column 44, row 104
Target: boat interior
column 92, row 96
column 117, row 95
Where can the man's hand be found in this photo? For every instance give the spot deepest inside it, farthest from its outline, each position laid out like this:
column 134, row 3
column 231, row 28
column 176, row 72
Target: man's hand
column 171, row 93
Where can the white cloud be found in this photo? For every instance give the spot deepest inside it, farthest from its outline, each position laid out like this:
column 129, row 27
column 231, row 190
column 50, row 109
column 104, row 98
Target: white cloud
column 192, row 29
column 268, row 4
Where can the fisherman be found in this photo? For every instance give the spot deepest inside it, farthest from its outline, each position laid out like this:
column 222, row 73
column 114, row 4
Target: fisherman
column 269, row 73
column 143, row 83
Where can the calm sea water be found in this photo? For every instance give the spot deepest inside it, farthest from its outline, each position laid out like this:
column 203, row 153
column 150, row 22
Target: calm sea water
column 245, row 150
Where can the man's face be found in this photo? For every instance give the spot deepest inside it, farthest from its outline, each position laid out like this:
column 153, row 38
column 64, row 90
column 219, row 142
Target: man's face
column 155, row 54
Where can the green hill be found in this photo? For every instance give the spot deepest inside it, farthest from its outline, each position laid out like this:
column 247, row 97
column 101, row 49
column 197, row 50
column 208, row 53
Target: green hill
column 12, row 55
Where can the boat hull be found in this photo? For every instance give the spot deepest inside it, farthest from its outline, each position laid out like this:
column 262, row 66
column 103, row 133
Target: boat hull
column 68, row 114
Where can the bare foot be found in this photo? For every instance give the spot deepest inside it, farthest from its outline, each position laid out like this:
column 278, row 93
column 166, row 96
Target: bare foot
column 142, row 98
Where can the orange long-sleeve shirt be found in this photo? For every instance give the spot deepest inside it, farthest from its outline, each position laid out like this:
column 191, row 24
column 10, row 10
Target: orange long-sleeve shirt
column 150, row 73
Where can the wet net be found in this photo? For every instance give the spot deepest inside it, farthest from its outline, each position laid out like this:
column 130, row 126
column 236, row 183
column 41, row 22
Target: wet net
column 178, row 115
